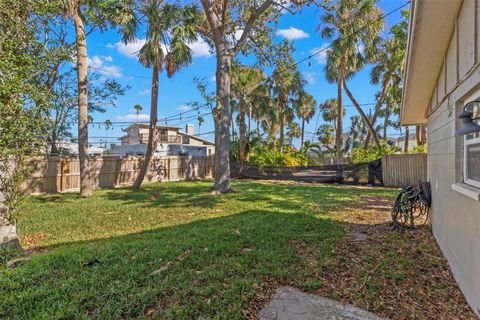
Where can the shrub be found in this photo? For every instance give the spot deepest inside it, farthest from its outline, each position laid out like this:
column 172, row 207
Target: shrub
column 266, row 157
column 360, row 155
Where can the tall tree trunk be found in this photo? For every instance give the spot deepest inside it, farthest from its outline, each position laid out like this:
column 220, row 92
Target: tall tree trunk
column 283, row 102
column 407, row 138
column 241, row 131
column 417, row 135
column 152, row 131
column 222, row 183
column 385, row 126
column 363, row 116
column 258, row 129
column 232, row 126
column 423, row 135
column 303, row 133
column 339, row 129
column 282, row 132
column 249, row 126
column 86, row 180
column 386, row 85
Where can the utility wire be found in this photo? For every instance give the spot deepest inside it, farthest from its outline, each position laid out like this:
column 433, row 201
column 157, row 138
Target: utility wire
column 308, row 58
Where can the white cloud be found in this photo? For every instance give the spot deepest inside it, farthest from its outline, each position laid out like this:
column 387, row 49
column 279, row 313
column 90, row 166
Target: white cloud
column 144, row 92
column 200, row 48
column 310, row 77
column 133, row 117
column 129, row 50
column 320, row 57
column 183, row 108
column 99, row 64
column 293, row 33
column 213, row 78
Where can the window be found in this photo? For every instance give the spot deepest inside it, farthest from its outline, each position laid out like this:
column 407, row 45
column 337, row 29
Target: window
column 471, row 166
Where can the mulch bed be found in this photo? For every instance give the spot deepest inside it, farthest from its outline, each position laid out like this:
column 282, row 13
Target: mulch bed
column 395, row 275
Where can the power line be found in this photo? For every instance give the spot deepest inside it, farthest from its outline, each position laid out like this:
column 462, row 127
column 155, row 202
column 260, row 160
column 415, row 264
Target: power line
column 308, row 58
column 178, row 116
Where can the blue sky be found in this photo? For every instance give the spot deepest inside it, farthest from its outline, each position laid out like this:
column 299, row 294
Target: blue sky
column 112, row 59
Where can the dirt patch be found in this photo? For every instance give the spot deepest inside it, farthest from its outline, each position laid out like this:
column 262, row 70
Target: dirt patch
column 395, row 275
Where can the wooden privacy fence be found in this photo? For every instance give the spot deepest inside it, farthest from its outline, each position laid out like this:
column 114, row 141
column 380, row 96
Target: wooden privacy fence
column 404, row 169
column 62, row 174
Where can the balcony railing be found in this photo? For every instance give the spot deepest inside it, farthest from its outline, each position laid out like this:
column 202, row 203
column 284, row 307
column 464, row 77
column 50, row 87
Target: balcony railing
column 164, row 138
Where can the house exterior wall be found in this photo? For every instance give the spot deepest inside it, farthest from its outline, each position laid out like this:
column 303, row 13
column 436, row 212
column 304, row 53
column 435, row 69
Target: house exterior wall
column 455, row 216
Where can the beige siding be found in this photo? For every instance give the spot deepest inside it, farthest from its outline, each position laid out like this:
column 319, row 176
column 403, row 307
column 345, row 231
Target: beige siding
column 466, row 38
column 455, row 217
column 451, row 63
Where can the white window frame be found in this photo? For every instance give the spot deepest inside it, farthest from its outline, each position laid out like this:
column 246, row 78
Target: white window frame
column 467, row 142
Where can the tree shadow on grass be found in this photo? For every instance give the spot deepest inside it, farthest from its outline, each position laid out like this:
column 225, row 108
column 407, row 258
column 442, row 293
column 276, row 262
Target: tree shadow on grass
column 111, row 278
column 215, row 268
column 277, row 194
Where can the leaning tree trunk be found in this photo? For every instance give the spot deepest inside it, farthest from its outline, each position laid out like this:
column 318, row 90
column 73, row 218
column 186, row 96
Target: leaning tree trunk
column 241, row 131
column 303, row 133
column 152, row 132
column 363, row 116
column 407, row 138
column 386, row 85
column 86, row 181
column 222, row 183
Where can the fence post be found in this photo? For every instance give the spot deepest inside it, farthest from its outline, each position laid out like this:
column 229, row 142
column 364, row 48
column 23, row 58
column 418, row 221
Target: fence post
column 205, row 168
column 62, row 174
column 168, row 169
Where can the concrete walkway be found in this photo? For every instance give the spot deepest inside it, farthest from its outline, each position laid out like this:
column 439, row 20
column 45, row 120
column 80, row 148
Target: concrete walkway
column 291, row 304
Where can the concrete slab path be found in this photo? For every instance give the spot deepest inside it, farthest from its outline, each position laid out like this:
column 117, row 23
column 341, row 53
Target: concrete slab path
column 292, row 304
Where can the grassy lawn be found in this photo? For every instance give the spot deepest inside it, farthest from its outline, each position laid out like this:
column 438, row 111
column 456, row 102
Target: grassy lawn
column 172, row 251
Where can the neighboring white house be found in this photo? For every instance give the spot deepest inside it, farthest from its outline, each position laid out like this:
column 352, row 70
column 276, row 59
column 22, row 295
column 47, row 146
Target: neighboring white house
column 171, row 141
column 71, row 148
column 400, row 141
column 442, row 77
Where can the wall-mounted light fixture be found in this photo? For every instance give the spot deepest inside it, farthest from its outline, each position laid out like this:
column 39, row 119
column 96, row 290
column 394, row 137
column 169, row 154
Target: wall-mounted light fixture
column 468, row 120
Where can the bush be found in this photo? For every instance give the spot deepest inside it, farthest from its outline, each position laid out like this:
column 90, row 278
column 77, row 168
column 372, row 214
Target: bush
column 266, row 157
column 419, row 149
column 360, row 155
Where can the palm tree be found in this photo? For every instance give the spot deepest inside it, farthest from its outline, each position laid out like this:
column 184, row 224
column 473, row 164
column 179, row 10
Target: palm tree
column 286, row 83
column 354, row 24
column 169, row 28
column 96, row 14
column 329, row 112
column 389, row 65
column 305, row 108
column 138, row 108
column 263, row 108
column 244, row 81
column 108, row 125
column 73, row 8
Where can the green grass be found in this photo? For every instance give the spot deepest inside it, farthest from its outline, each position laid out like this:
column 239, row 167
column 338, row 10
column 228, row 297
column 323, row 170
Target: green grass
column 100, row 251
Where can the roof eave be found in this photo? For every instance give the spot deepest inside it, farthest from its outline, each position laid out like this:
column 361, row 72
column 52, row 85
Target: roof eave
column 430, row 31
